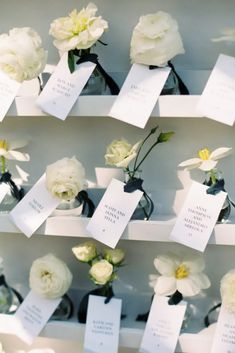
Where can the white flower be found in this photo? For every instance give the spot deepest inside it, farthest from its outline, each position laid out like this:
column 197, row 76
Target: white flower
column 21, row 54
column 50, row 277
column 227, row 290
column 155, row 40
column 185, row 275
column 1, row 348
column 101, row 272
column 7, row 150
column 120, row 153
column 114, row 256
column 85, row 252
column 80, row 30
column 228, row 36
column 206, row 160
column 65, row 178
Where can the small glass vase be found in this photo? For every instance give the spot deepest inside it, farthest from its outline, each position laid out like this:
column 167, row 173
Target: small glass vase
column 95, row 85
column 8, row 203
column 104, row 291
column 171, row 85
column 64, row 311
column 68, row 208
column 10, row 298
column 145, row 206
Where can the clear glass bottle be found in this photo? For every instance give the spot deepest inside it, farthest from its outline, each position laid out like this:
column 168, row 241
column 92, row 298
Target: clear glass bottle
column 10, row 298
column 96, row 85
column 64, row 311
column 171, row 85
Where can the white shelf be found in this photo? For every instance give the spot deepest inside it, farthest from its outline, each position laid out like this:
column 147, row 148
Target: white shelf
column 99, row 106
column 155, row 230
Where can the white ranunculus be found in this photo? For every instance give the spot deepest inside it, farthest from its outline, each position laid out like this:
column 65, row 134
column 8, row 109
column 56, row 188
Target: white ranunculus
column 101, row 272
column 21, row 54
column 85, row 252
column 227, row 290
column 79, row 30
column 65, row 178
column 50, row 277
column 120, row 153
column 114, row 256
column 182, row 274
column 155, row 40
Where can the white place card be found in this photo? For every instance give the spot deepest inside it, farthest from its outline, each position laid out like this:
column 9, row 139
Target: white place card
column 4, row 189
column 139, row 94
column 163, row 326
column 218, row 98
column 102, row 325
column 224, row 337
column 63, row 88
column 32, row 315
column 113, row 213
column 34, row 208
column 8, row 90
column 197, row 217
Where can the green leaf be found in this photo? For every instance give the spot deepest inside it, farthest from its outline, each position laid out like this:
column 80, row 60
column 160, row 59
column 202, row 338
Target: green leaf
column 71, row 61
column 165, row 136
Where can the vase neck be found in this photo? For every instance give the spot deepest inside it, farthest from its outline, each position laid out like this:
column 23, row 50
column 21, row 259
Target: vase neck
column 129, row 175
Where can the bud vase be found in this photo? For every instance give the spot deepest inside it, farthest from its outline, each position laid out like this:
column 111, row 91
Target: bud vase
column 64, row 311
column 68, row 208
column 171, row 85
column 95, row 85
column 10, row 298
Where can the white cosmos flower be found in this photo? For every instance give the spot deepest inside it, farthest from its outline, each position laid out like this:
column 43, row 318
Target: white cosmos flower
column 206, row 160
column 8, row 150
column 228, row 35
column 182, row 274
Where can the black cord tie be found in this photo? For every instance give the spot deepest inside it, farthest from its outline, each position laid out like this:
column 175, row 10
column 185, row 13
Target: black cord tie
column 215, row 188
column 206, row 318
column 175, row 298
column 16, row 193
column 114, row 89
column 88, row 205
column 182, row 87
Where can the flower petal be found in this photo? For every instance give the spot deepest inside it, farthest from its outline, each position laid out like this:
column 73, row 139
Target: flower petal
column 153, row 280
column 19, row 156
column 195, row 264
column 220, row 153
column 18, row 144
column 191, row 163
column 208, row 165
column 125, row 162
column 188, row 287
column 201, row 280
column 166, row 264
column 165, row 285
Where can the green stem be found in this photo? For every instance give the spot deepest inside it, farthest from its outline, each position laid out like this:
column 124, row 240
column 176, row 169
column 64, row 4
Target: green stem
column 213, row 176
column 146, row 155
column 3, row 164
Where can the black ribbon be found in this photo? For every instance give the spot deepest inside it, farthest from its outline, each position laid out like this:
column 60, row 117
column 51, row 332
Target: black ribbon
column 88, row 204
column 216, row 187
column 175, row 298
column 17, row 193
column 206, row 318
column 182, row 87
column 17, row 294
column 114, row 89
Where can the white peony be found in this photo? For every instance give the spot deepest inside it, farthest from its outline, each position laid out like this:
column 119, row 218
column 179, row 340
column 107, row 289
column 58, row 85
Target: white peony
column 227, row 290
column 155, row 40
column 85, row 252
column 79, row 30
column 114, row 256
column 21, row 54
column 182, row 274
column 120, row 153
column 50, row 277
column 101, row 272
column 65, row 178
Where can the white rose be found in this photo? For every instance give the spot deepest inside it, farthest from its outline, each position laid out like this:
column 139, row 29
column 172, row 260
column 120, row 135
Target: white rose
column 85, row 252
column 50, row 277
column 80, row 30
column 227, row 290
column 21, row 54
column 155, row 40
column 101, row 272
column 114, row 256
column 120, row 153
column 65, row 178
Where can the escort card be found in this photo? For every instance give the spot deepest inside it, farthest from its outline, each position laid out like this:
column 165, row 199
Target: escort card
column 198, row 217
column 224, row 338
column 8, row 90
column 4, row 188
column 63, row 88
column 139, row 94
column 102, row 325
column 163, row 326
column 32, row 315
column 218, row 98
column 113, row 213
column 34, row 208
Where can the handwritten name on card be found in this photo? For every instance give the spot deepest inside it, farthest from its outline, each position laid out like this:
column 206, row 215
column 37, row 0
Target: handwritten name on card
column 8, row 90
column 198, row 217
column 102, row 325
column 63, row 88
column 113, row 213
column 218, row 98
column 163, row 326
column 139, row 94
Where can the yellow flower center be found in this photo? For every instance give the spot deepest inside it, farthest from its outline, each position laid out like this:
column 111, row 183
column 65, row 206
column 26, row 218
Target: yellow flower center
column 3, row 145
column 204, row 154
column 181, row 272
